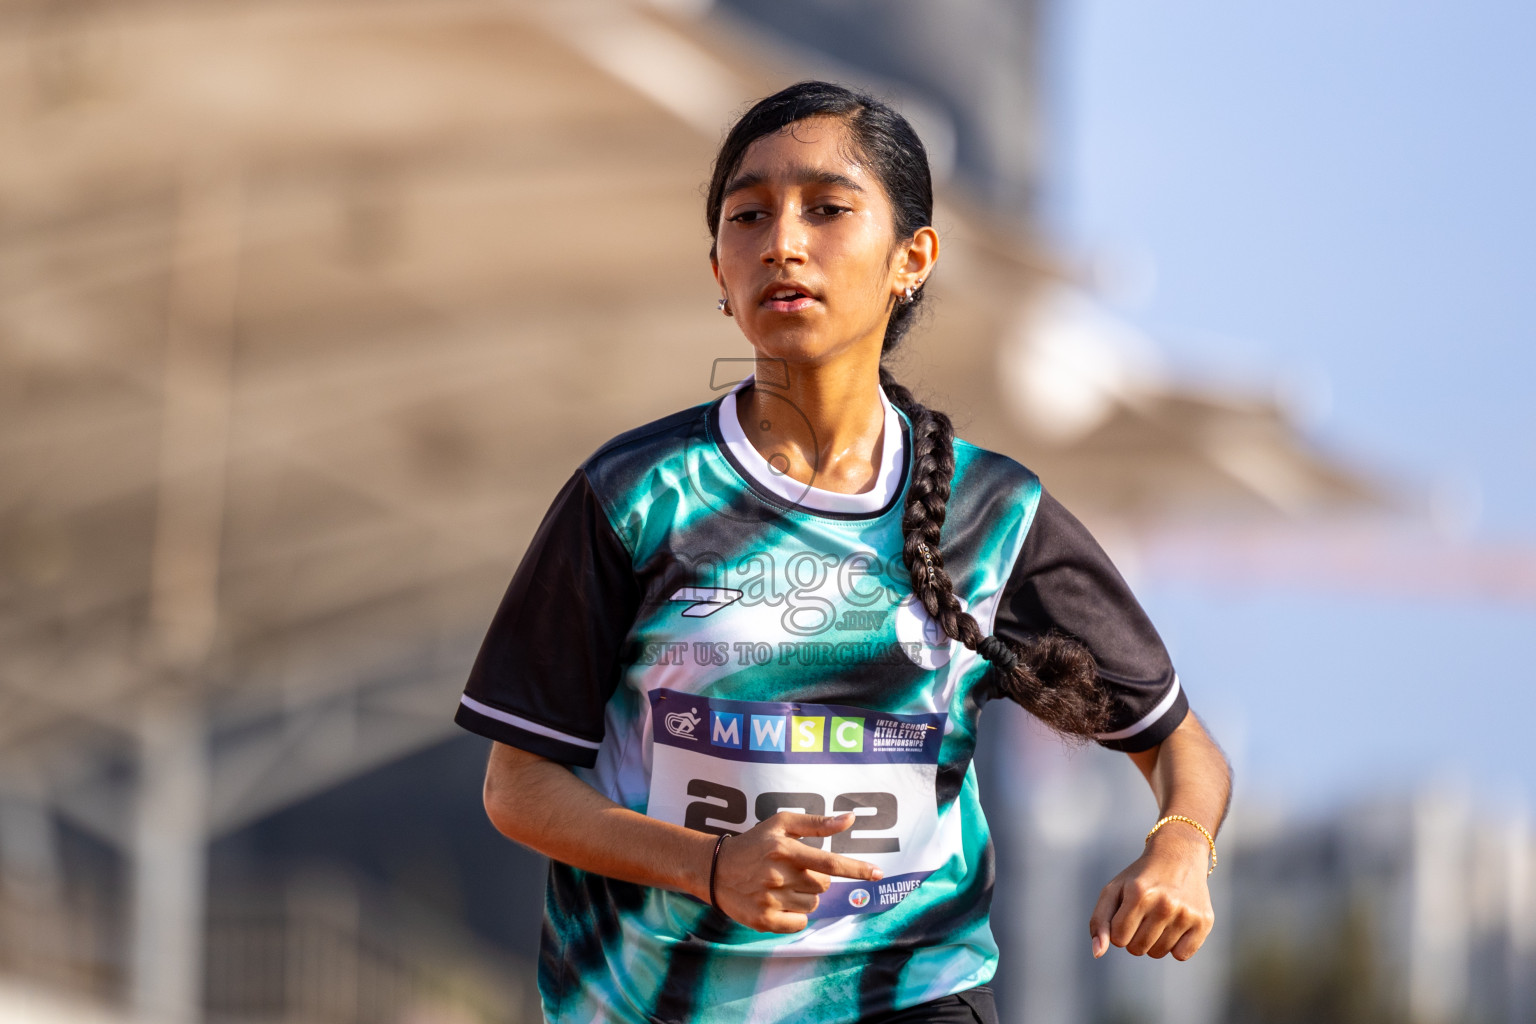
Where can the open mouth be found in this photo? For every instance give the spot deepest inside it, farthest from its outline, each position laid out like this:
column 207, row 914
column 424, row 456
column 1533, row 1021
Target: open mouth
column 788, row 299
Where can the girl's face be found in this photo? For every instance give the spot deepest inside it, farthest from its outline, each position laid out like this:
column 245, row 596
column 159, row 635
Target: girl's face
column 806, row 249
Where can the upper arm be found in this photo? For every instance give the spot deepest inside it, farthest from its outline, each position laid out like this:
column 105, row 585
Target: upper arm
column 1145, row 760
column 534, row 800
column 1064, row 581
column 509, row 771
column 506, row 768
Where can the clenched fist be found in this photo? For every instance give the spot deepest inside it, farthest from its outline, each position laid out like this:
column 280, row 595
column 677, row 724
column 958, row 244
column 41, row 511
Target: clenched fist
column 1161, row 904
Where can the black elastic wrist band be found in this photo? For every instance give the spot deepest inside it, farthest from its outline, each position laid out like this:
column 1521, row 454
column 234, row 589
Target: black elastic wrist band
column 714, row 863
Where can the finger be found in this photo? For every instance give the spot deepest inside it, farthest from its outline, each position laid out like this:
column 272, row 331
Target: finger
column 783, row 923
column 1173, row 933
column 806, row 880
column 797, row 902
column 1165, row 942
column 1135, row 905
column 1098, row 921
column 1146, row 936
column 812, row 859
column 1189, row 944
column 1148, row 933
column 796, row 824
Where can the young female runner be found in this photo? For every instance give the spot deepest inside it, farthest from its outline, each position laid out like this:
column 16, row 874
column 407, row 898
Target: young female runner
column 734, row 684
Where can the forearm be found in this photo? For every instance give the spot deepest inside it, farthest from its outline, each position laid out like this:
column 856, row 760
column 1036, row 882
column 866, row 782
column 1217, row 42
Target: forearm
column 541, row 805
column 1189, row 776
column 1161, row 903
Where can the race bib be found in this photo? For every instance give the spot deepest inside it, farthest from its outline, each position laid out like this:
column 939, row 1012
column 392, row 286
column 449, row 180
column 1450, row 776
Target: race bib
column 724, row 765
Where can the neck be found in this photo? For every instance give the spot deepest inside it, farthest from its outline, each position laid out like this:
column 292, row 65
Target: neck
column 820, row 424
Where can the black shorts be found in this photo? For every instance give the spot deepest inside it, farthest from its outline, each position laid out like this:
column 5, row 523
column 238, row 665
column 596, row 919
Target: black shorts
column 973, row 1006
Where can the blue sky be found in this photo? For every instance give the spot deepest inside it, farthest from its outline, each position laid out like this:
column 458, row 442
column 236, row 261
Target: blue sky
column 1347, row 192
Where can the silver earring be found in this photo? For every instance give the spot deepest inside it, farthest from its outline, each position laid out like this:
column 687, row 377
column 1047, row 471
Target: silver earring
column 724, row 306
column 905, row 298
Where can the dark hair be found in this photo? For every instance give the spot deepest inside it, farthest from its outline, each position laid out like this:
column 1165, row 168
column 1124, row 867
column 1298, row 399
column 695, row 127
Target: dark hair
column 1053, row 676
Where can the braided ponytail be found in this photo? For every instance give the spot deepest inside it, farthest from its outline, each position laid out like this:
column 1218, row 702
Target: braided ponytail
column 1052, row 676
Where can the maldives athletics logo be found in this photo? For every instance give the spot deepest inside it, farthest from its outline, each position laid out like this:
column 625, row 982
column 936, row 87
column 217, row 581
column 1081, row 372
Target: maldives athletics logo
column 859, row 899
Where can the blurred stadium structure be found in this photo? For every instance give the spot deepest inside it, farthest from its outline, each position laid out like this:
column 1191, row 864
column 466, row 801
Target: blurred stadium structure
column 1396, row 910
column 305, row 312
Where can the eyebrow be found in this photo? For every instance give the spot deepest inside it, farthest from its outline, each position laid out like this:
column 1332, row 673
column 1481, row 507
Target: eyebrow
column 799, row 175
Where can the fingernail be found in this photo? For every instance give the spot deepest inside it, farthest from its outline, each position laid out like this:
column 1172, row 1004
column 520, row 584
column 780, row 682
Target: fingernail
column 876, row 875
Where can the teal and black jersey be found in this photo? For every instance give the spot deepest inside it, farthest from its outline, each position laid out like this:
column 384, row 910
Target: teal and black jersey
column 709, row 642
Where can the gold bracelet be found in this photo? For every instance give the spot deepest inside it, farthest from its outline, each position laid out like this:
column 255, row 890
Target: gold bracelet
column 1179, row 817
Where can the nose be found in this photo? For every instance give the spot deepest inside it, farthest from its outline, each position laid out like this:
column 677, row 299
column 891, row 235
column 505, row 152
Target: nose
column 785, row 242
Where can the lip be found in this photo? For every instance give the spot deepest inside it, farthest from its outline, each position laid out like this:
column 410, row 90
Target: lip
column 804, row 300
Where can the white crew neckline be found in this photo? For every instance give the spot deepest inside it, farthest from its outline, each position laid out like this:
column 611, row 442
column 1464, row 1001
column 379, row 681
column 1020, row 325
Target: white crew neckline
column 888, row 478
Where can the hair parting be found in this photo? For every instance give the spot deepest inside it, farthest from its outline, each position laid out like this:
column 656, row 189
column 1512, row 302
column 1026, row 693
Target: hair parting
column 1052, row 676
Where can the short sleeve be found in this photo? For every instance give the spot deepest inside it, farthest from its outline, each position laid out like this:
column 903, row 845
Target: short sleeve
column 1064, row 581
column 551, row 658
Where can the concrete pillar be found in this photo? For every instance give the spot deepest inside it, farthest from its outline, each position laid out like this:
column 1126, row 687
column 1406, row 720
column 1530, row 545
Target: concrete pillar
column 1439, row 930
column 170, row 864
column 171, row 820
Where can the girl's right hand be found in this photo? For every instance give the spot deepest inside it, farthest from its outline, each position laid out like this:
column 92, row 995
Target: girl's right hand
column 769, row 881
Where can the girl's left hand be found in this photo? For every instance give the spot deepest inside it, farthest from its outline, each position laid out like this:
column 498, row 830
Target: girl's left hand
column 1161, row 904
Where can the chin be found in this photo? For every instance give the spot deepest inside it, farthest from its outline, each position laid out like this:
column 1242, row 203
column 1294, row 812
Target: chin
column 797, row 347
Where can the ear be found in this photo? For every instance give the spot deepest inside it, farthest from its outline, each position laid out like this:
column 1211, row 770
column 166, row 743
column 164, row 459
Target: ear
column 915, row 260
column 714, row 268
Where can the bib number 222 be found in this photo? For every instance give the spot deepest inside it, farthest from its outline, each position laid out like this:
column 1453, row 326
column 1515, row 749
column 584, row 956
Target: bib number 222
column 728, row 805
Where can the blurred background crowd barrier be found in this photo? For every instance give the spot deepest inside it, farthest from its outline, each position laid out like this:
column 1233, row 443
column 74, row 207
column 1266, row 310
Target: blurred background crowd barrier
column 306, row 310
